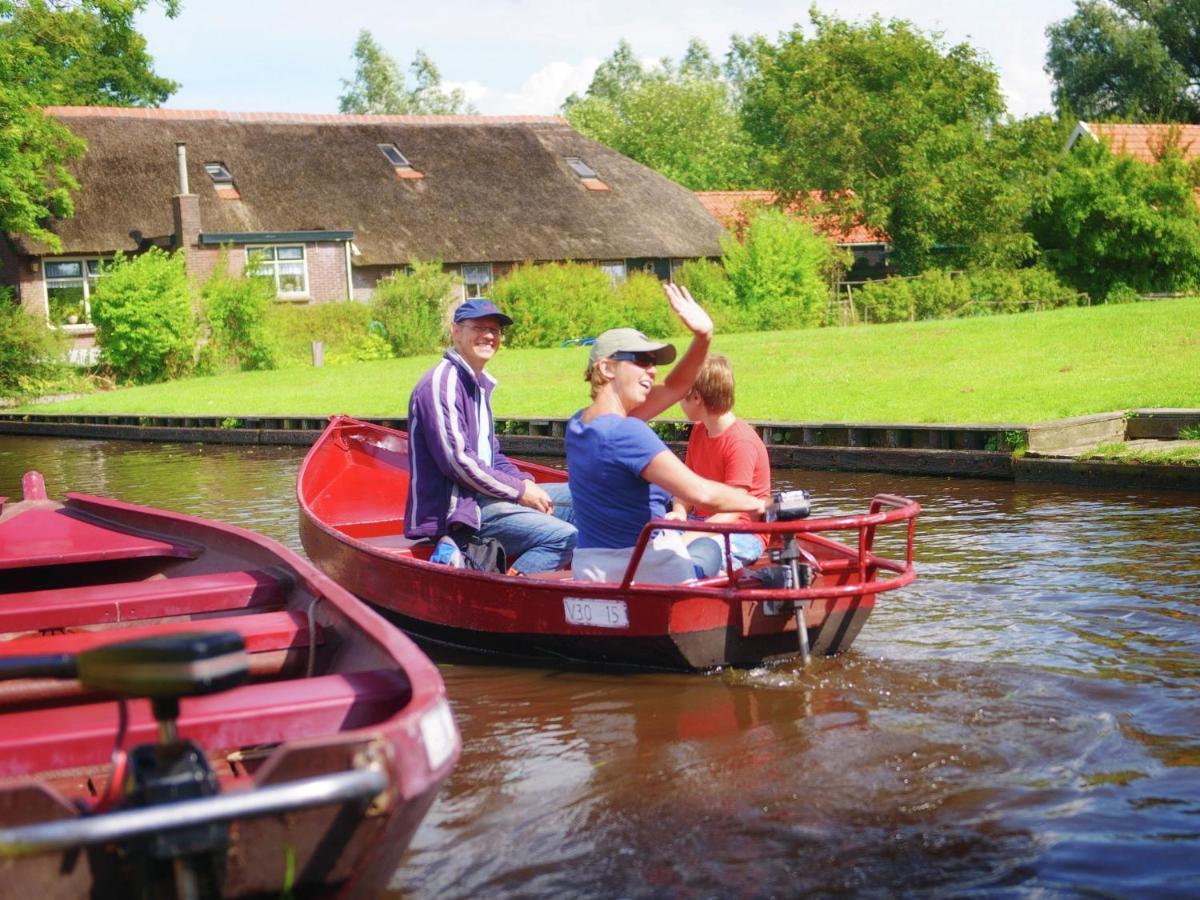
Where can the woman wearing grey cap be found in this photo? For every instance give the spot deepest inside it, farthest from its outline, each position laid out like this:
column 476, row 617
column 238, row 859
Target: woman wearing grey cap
column 621, row 474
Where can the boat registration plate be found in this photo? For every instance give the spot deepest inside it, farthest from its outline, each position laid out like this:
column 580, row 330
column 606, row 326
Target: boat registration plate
column 597, row 613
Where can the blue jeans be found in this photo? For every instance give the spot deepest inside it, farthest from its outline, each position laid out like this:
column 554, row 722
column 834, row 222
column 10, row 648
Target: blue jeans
column 708, row 553
column 536, row 541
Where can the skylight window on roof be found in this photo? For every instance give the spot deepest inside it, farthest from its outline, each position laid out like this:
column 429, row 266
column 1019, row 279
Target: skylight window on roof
column 580, row 168
column 394, row 156
column 218, row 173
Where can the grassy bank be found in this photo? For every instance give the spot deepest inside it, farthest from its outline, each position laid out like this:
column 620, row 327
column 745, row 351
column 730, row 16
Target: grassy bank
column 1006, row 369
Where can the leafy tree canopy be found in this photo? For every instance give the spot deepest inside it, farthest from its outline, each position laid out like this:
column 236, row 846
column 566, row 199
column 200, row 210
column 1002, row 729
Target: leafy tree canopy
column 1128, row 59
column 379, row 87
column 914, row 128
column 84, row 52
column 1110, row 220
column 680, row 120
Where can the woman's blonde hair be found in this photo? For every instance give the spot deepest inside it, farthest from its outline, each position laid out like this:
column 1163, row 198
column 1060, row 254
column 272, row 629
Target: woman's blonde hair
column 595, row 378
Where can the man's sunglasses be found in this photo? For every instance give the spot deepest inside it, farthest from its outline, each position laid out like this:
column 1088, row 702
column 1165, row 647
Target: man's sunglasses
column 637, row 357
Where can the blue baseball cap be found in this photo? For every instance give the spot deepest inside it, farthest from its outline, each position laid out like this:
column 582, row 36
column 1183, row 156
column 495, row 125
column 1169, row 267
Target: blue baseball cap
column 479, row 308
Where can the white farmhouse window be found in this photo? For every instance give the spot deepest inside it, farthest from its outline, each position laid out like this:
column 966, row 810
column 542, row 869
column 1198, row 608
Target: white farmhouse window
column 285, row 264
column 70, row 284
column 476, row 280
column 614, row 269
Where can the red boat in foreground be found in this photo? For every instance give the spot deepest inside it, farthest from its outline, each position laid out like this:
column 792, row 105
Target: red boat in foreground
column 190, row 708
column 351, row 490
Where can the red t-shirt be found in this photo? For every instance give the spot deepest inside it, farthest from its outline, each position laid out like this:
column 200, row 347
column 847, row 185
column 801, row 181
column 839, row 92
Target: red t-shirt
column 737, row 457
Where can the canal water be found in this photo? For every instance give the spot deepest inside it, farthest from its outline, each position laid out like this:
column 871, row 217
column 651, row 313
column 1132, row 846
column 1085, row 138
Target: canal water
column 1022, row 721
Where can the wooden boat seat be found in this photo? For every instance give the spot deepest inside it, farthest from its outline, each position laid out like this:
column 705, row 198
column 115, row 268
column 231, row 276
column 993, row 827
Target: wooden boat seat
column 128, row 601
column 261, row 632
column 399, row 545
column 55, row 537
column 83, row 735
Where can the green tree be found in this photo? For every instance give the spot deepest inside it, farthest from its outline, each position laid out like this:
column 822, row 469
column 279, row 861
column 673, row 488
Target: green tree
column 1127, row 59
column 780, row 272
column 915, row 129
column 83, row 52
column 145, row 322
column 379, row 88
column 680, row 121
column 1110, row 222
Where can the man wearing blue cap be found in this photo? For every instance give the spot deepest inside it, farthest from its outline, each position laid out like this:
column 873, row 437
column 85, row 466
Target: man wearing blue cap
column 459, row 481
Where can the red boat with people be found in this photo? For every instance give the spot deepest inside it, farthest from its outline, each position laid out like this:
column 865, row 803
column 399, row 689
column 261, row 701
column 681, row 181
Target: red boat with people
column 810, row 594
column 188, row 708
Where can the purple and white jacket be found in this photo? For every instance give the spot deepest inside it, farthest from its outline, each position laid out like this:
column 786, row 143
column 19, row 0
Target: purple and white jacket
column 445, row 470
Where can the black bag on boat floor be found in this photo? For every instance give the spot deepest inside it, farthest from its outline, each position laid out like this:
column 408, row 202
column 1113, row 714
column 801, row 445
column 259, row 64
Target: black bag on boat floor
column 484, row 555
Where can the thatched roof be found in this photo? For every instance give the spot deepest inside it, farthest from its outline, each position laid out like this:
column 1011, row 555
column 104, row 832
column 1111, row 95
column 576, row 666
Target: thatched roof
column 494, row 188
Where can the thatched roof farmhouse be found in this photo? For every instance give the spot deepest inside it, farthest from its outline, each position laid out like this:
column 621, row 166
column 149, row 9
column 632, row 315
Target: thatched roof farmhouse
column 335, row 202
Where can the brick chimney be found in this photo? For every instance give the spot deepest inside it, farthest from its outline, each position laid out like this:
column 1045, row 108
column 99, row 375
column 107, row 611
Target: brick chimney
column 186, row 209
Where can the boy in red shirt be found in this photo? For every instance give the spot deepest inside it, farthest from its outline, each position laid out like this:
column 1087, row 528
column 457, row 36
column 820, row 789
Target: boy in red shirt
column 723, row 448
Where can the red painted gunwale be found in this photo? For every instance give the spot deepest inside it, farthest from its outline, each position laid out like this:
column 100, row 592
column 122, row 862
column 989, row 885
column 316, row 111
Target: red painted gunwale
column 351, row 491
column 333, row 687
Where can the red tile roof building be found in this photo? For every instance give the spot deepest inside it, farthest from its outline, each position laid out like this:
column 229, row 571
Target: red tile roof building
column 1142, row 142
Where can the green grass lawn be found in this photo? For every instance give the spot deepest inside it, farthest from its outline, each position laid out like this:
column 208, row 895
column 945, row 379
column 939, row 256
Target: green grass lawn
column 1016, row 369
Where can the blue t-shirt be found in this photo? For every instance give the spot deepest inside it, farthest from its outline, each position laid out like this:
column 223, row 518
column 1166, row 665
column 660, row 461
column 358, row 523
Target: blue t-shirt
column 612, row 501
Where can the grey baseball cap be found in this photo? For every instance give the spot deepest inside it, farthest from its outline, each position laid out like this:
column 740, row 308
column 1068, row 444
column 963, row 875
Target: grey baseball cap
column 630, row 340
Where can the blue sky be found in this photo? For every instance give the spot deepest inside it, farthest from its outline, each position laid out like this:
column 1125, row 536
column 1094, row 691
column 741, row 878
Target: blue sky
column 525, row 56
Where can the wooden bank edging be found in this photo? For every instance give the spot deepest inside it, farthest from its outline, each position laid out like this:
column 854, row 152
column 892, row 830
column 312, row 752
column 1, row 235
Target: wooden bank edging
column 970, row 451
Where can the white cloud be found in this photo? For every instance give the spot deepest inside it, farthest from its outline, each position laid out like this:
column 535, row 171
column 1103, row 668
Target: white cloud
column 542, row 93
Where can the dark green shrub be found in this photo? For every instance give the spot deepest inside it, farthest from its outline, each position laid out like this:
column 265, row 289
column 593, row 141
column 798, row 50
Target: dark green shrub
column 235, row 307
column 32, row 357
column 1017, row 290
column 639, row 302
column 1120, row 292
column 708, row 283
column 342, row 327
column 939, row 295
column 886, row 300
column 780, row 271
column 413, row 309
column 145, row 322
column 1110, row 218
column 555, row 302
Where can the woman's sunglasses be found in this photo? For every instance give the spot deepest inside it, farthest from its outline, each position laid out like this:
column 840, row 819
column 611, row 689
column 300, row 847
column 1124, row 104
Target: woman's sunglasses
column 637, row 357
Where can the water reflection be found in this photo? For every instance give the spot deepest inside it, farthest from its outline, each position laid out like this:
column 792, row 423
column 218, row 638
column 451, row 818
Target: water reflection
column 1021, row 721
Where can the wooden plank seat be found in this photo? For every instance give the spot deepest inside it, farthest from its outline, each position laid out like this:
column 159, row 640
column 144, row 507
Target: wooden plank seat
column 399, row 545
column 41, row 740
column 55, row 537
column 138, row 600
column 261, row 632
column 277, row 644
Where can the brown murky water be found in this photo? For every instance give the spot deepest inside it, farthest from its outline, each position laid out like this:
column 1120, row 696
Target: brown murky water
column 1023, row 721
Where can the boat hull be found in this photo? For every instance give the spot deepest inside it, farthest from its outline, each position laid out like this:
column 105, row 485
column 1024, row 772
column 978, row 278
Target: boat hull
column 350, row 491
column 335, row 697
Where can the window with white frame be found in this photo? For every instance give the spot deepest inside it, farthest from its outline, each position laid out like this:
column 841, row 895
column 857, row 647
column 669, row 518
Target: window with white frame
column 614, row 269
column 284, row 263
column 476, row 280
column 70, row 284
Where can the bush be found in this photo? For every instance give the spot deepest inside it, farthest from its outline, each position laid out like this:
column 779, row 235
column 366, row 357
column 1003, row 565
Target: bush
column 236, row 309
column 1018, row 290
column 413, row 308
column 887, row 300
column 145, row 323
column 1109, row 218
column 639, row 302
column 708, row 283
column 32, row 356
column 1120, row 292
column 343, row 327
column 554, row 302
column 780, row 271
